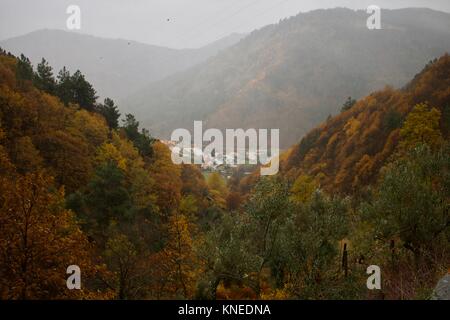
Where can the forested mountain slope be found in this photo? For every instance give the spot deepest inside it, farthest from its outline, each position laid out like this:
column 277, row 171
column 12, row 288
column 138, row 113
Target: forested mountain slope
column 116, row 67
column 78, row 187
column 292, row 75
column 347, row 151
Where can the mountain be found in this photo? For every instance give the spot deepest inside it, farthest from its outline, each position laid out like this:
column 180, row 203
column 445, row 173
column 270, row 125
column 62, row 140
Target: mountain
column 116, row 68
column 348, row 151
column 294, row 74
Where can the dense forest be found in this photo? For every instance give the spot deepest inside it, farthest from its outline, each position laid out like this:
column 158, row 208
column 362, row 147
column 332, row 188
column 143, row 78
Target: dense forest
column 81, row 186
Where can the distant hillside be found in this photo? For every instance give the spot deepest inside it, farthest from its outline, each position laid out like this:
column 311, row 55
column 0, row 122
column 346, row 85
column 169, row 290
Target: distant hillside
column 116, row 68
column 348, row 151
column 294, row 74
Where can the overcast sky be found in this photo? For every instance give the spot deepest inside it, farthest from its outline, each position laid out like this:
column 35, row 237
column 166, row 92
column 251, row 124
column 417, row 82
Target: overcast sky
column 172, row 23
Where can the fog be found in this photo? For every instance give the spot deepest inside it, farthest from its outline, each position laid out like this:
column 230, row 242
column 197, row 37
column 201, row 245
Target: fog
column 172, row 23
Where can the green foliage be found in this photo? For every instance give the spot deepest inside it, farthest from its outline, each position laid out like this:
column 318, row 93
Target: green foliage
column 225, row 255
column 75, row 89
column 348, row 104
column 310, row 244
column 64, row 91
column 106, row 197
column 303, row 188
column 110, row 112
column 411, row 203
column 82, row 91
column 392, row 120
column 142, row 140
column 44, row 79
column 24, row 69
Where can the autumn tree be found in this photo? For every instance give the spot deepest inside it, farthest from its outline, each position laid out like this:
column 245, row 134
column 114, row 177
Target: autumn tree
column 129, row 266
column 194, row 184
column 39, row 239
column 217, row 188
column 177, row 261
column 303, row 189
column 233, row 201
column 6, row 166
column 167, row 177
column 67, row 157
column 422, row 125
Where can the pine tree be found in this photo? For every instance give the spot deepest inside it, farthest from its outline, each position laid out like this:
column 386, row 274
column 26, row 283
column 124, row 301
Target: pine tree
column 348, row 104
column 110, row 112
column 83, row 92
column 44, row 79
column 63, row 88
column 141, row 140
column 24, row 69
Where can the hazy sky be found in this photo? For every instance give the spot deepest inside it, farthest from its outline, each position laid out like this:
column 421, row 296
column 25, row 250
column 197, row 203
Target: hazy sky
column 172, row 23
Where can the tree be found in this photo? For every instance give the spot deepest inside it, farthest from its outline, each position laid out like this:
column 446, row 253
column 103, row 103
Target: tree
column 110, row 112
column 349, row 103
column 24, row 69
column 303, row 189
column 26, row 156
column 67, row 156
column 39, row 239
column 6, row 166
column 64, row 86
column 131, row 127
column 167, row 177
column 91, row 127
column 76, row 89
column 421, row 126
column 194, row 185
column 226, row 257
column 107, row 197
column 310, row 246
column 141, row 140
column 411, row 202
column 267, row 208
column 177, row 262
column 233, row 201
column 129, row 268
column 217, row 188
column 44, row 79
column 82, row 91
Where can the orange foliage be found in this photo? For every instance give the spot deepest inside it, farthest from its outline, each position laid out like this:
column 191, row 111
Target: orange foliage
column 352, row 147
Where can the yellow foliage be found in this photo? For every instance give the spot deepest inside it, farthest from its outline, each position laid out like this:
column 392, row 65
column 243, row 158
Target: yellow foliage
column 303, row 188
column 39, row 239
column 421, row 126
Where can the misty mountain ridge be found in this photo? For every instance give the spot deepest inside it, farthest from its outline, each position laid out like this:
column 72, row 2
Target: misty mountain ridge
column 116, row 67
column 292, row 75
